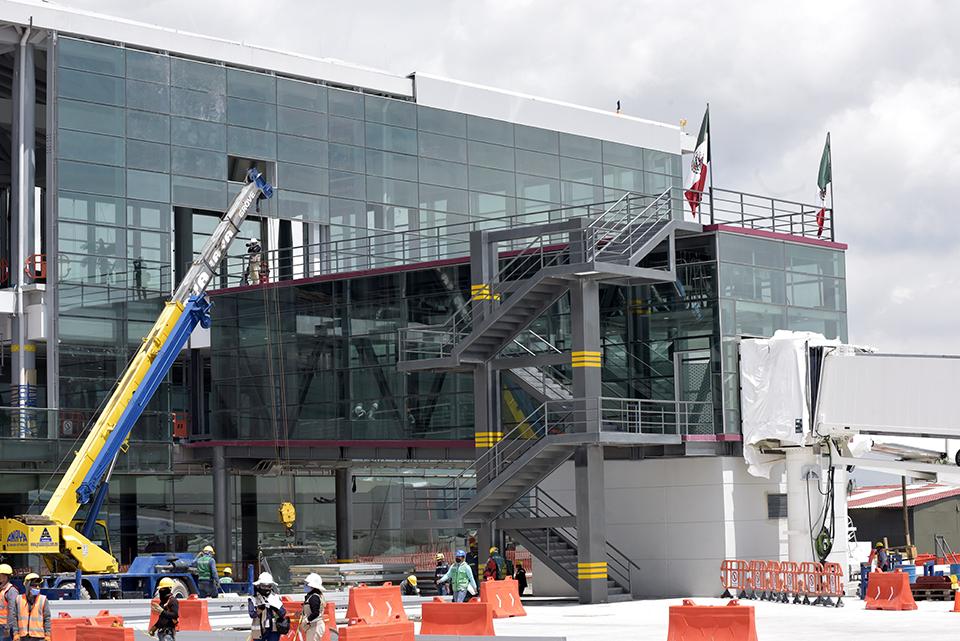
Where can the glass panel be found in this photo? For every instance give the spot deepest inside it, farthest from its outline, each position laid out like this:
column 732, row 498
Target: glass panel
column 489, row 130
column 830, row 324
column 751, row 283
column 622, row 179
column 85, row 116
column 492, row 181
column 396, row 139
column 345, row 103
column 251, row 143
column 615, row 153
column 302, row 95
column 249, row 113
column 151, row 67
column 147, row 185
column 90, row 178
column 147, row 126
column 106, row 150
column 736, row 248
column 391, row 112
column 90, row 209
column 441, row 172
column 536, row 139
column 391, row 192
column 302, row 150
column 442, row 122
column 537, row 188
column 90, row 239
column 532, row 162
column 90, row 86
column 580, row 193
column 301, row 178
column 302, row 123
column 149, row 215
column 814, row 260
column 346, row 158
column 383, row 163
column 491, row 206
column 443, row 199
column 306, row 207
column 757, row 319
column 198, row 133
column 148, row 245
column 148, row 96
column 493, row 156
column 345, row 130
column 347, row 185
column 659, row 161
column 581, row 171
column 823, row 292
column 198, row 104
column 580, row 147
column 251, row 85
column 443, row 147
column 198, row 75
column 90, row 56
column 198, row 162
column 200, row 193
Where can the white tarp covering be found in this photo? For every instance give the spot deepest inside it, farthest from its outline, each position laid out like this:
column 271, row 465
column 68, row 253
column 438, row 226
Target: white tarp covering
column 774, row 390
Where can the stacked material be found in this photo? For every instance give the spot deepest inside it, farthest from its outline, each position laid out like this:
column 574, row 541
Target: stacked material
column 340, row 575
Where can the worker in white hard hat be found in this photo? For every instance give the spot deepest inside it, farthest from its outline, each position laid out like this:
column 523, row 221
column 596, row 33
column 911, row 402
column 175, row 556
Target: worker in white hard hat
column 408, row 587
column 443, row 589
column 33, row 612
column 207, row 579
column 167, row 608
column 8, row 603
column 269, row 617
column 311, row 621
column 254, row 258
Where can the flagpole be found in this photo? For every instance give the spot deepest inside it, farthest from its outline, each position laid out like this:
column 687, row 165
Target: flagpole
column 833, row 212
column 710, row 164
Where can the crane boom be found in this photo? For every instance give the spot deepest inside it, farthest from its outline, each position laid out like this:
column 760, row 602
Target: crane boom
column 88, row 474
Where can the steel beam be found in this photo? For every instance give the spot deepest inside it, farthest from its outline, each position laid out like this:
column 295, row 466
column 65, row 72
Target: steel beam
column 221, row 506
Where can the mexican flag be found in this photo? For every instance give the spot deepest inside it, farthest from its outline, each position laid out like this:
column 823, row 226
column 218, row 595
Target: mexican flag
column 824, row 178
column 697, row 180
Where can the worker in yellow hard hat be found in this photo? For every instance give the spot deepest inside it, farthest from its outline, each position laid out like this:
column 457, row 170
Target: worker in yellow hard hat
column 33, row 612
column 496, row 565
column 207, row 579
column 409, row 586
column 8, row 602
column 227, row 575
column 443, row 589
column 167, row 608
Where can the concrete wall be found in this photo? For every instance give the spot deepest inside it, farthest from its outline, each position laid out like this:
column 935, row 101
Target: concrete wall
column 678, row 519
column 942, row 517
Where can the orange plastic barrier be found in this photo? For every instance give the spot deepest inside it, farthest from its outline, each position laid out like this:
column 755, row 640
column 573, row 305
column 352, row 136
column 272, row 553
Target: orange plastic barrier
column 791, row 570
column 754, row 579
column 811, row 576
column 504, row 596
column 375, row 604
column 733, row 578
column 102, row 633
column 956, row 601
column 393, row 631
column 194, row 614
column 730, row 622
column 294, row 612
column 329, row 619
column 105, row 619
column 831, row 584
column 474, row 618
column 889, row 591
column 64, row 627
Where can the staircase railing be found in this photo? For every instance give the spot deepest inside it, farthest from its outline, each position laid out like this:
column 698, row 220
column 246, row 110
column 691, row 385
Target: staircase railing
column 620, row 231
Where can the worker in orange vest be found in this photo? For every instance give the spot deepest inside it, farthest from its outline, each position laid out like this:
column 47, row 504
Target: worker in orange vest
column 33, row 612
column 8, row 603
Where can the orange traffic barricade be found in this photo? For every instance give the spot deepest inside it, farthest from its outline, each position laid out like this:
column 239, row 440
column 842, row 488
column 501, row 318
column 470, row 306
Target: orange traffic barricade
column 194, row 614
column 392, row 631
column 812, row 575
column 105, row 619
column 889, row 591
column 474, row 618
column 956, row 601
column 733, row 577
column 504, row 596
column 375, row 604
column 831, row 584
column 294, row 612
column 731, row 622
column 790, row 572
column 64, row 627
column 754, row 579
column 103, row 633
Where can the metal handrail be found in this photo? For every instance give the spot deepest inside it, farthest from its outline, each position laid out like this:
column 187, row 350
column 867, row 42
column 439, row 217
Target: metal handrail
column 629, row 226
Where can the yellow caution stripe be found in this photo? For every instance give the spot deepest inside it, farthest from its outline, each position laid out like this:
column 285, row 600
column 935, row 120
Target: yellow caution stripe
column 28, row 347
column 488, row 439
column 483, row 292
column 585, row 359
column 589, row 571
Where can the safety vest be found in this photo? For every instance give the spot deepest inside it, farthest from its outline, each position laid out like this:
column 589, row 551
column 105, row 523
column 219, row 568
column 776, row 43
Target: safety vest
column 4, row 615
column 30, row 620
column 205, row 567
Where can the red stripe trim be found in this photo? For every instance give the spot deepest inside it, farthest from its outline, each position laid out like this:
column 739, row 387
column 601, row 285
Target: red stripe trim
column 762, row 233
column 422, row 443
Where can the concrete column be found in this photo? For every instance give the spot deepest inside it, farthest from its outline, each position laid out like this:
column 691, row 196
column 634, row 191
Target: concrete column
column 344, row 501
column 591, row 524
column 249, row 541
column 586, row 355
column 803, row 474
column 221, row 507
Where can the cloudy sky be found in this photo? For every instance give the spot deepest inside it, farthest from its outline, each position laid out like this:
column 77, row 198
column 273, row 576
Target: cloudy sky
column 778, row 76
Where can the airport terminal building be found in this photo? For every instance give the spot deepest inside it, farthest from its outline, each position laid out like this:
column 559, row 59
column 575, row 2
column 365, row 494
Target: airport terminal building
column 442, row 337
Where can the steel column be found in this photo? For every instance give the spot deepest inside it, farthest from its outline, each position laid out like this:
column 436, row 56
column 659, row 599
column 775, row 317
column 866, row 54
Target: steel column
column 586, row 352
column 221, row 506
column 591, row 524
column 344, row 504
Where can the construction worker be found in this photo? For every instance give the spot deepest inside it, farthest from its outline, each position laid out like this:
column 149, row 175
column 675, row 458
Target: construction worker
column 461, row 578
column 168, row 611
column 33, row 612
column 8, row 603
column 496, row 565
column 473, row 560
column 409, row 586
column 521, row 578
column 312, row 626
column 269, row 617
column 880, row 555
column 207, row 577
column 254, row 258
column 442, row 588
column 227, row 575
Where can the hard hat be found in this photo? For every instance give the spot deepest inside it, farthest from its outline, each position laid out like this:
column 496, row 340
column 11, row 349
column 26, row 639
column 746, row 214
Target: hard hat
column 265, row 578
column 253, row 240
column 166, row 582
column 33, row 576
column 208, row 549
column 6, row 569
column 439, row 556
column 494, row 549
column 227, row 570
column 412, row 580
column 879, row 544
column 460, row 553
column 314, row 581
